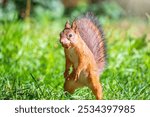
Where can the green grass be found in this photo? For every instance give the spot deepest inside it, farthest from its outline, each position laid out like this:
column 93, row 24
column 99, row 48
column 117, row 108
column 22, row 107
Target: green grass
column 32, row 61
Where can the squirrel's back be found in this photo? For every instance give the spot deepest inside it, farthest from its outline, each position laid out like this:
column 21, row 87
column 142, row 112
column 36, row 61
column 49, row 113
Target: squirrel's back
column 92, row 34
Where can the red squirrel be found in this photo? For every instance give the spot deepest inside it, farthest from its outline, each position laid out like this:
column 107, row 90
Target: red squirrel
column 84, row 48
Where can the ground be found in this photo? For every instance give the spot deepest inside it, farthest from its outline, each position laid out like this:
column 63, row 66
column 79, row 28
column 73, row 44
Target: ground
column 32, row 60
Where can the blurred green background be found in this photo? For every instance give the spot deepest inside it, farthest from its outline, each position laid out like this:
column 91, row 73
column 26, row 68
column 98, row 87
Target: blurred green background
column 32, row 60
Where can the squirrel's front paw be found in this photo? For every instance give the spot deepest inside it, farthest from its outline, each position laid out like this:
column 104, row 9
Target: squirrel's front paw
column 76, row 77
column 69, row 76
column 66, row 74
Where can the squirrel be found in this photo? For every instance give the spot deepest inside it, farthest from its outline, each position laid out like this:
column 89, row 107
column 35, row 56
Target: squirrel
column 84, row 48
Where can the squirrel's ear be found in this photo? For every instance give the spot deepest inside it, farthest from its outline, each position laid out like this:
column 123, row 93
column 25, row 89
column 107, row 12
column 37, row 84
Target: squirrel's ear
column 74, row 26
column 67, row 25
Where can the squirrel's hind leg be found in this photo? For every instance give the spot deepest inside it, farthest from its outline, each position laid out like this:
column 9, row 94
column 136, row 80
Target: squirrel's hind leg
column 69, row 86
column 96, row 87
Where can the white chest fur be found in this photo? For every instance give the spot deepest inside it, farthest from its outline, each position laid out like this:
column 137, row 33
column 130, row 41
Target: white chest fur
column 73, row 57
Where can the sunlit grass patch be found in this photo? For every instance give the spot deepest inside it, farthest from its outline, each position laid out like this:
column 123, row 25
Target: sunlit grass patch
column 32, row 62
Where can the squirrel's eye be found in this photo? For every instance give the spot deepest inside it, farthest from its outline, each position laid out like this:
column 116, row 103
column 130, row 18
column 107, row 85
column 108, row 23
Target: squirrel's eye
column 70, row 35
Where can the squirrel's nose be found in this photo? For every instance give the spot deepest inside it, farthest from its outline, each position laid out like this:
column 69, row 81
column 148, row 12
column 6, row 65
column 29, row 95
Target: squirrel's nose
column 63, row 41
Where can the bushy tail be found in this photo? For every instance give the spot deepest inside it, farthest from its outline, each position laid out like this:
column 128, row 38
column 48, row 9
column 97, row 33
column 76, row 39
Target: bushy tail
column 92, row 34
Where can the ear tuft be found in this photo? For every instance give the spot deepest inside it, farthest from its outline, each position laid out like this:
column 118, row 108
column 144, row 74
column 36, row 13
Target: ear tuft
column 67, row 25
column 74, row 26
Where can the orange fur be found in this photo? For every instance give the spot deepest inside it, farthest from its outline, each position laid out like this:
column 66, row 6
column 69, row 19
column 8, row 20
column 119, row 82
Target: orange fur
column 78, row 56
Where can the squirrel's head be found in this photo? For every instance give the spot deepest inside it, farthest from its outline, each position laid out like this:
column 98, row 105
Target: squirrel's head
column 68, row 37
